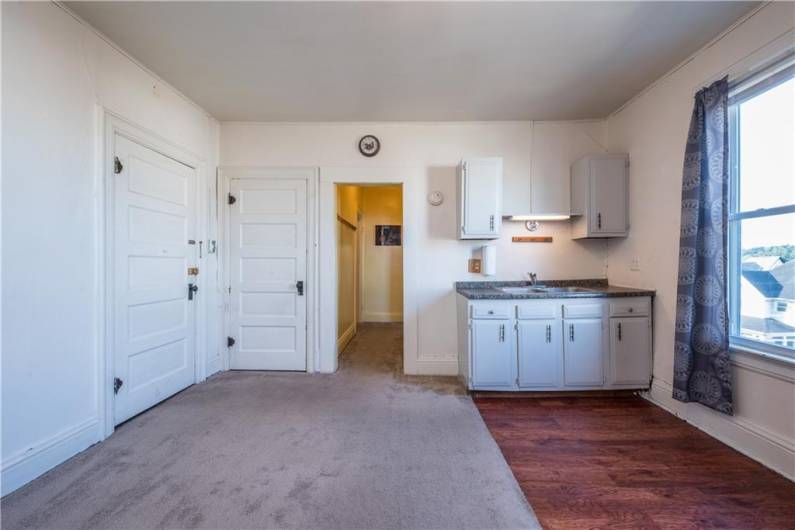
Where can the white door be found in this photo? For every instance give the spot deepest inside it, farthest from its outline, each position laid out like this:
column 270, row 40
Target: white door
column 630, row 351
column 582, row 352
column 539, row 353
column 493, row 354
column 268, row 274
column 609, row 195
column 154, row 326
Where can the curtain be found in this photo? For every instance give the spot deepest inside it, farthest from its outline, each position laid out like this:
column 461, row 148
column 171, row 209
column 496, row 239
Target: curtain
column 702, row 370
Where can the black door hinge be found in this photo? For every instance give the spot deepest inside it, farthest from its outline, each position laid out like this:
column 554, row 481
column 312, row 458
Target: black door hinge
column 117, row 383
column 230, row 342
column 117, row 165
column 232, row 199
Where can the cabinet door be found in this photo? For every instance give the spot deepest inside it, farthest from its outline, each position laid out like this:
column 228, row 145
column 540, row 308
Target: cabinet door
column 539, row 353
column 493, row 354
column 582, row 352
column 482, row 189
column 630, row 351
column 608, row 212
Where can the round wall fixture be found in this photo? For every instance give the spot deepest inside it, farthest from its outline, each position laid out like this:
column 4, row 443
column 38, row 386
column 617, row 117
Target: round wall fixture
column 435, row 198
column 369, row 145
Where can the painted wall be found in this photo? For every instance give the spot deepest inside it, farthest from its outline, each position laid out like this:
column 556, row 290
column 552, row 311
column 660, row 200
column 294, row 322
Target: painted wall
column 348, row 207
column 56, row 72
column 382, row 266
column 429, row 153
column 653, row 128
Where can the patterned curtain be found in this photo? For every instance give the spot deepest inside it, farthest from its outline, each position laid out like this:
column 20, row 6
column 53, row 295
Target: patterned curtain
column 702, row 371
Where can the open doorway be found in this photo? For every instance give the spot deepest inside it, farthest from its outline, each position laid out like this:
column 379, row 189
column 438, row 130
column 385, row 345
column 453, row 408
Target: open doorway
column 370, row 273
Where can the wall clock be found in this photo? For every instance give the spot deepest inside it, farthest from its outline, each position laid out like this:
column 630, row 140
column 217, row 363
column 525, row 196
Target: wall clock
column 435, row 198
column 369, row 145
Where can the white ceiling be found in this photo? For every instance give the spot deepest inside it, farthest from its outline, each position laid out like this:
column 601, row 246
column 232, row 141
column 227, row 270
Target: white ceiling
column 328, row 61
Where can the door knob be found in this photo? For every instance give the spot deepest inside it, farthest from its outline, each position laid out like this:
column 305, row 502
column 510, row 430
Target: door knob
column 299, row 286
column 192, row 288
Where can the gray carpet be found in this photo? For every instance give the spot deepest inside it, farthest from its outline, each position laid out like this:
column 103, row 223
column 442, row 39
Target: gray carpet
column 363, row 448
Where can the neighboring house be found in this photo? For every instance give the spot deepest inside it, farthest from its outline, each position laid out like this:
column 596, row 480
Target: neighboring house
column 768, row 301
column 761, row 263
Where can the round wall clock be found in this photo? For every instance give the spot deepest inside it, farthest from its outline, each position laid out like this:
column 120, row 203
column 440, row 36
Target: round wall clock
column 435, row 198
column 369, row 145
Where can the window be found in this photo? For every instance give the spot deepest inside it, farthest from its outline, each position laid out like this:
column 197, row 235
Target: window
column 762, row 211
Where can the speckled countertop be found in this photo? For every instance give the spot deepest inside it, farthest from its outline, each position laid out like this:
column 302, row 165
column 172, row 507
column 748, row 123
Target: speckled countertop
column 595, row 289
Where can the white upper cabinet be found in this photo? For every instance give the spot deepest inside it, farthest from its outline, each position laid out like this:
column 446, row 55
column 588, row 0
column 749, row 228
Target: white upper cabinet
column 600, row 196
column 479, row 198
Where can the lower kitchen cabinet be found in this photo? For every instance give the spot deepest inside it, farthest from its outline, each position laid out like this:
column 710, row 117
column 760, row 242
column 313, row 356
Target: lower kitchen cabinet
column 583, row 354
column 493, row 354
column 630, row 351
column 539, row 353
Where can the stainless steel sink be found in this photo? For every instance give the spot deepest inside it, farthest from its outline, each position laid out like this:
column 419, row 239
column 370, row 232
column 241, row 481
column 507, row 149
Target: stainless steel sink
column 530, row 289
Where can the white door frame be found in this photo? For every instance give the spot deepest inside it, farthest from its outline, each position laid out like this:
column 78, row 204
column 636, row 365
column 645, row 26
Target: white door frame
column 111, row 124
column 225, row 176
column 408, row 178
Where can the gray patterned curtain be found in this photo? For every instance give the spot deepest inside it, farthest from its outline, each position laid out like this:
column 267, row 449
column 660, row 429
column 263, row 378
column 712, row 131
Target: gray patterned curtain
column 702, row 371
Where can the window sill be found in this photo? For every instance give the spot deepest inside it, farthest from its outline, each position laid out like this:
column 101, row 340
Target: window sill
column 763, row 362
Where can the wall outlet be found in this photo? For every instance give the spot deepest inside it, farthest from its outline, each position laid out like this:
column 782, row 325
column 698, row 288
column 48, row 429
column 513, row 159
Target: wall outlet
column 634, row 265
column 474, row 265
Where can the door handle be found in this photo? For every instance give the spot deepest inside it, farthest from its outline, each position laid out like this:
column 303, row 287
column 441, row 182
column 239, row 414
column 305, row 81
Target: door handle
column 192, row 288
column 299, row 286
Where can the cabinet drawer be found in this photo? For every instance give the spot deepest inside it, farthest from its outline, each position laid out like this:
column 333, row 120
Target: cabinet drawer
column 486, row 310
column 629, row 307
column 588, row 310
column 537, row 310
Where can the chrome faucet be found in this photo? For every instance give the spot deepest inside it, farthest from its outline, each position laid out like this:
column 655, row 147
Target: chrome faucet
column 532, row 277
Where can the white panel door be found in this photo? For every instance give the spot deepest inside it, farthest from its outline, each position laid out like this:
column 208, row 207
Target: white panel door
column 268, row 274
column 493, row 354
column 583, row 358
column 154, row 320
column 609, row 195
column 539, row 353
column 630, row 351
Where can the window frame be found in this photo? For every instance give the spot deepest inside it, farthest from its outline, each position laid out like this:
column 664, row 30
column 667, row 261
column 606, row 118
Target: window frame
column 740, row 91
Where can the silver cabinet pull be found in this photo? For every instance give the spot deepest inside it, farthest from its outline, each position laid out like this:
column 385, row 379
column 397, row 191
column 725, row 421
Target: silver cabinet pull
column 599, row 220
column 491, row 222
column 549, row 333
column 571, row 332
column 502, row 332
column 619, row 331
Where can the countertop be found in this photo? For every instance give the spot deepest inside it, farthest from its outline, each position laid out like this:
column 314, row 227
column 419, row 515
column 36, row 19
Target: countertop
column 597, row 288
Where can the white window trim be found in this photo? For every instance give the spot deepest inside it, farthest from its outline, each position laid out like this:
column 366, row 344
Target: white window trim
column 742, row 90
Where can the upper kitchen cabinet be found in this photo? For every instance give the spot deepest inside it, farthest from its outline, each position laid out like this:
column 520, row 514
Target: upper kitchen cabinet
column 600, row 196
column 479, row 198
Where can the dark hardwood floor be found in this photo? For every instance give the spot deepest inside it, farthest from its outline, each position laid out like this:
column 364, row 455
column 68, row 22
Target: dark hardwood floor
column 621, row 462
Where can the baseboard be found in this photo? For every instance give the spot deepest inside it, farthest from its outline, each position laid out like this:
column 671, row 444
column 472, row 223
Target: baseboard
column 26, row 465
column 372, row 316
column 437, row 367
column 346, row 337
column 754, row 441
column 213, row 366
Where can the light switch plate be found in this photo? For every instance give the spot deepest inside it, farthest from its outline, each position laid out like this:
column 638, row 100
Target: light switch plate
column 474, row 265
column 634, row 265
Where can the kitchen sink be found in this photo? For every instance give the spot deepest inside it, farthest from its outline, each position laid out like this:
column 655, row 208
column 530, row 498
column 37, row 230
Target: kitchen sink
column 528, row 289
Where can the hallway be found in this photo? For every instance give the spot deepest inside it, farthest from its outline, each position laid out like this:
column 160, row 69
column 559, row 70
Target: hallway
column 365, row 447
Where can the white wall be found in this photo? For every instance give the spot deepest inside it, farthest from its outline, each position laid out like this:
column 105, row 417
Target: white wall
column 429, row 154
column 653, row 129
column 382, row 266
column 57, row 73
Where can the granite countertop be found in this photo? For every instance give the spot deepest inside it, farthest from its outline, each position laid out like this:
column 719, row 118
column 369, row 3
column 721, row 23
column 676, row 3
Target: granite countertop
column 595, row 289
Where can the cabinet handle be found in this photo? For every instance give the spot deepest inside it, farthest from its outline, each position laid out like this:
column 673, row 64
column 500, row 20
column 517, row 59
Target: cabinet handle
column 599, row 220
column 549, row 333
column 502, row 332
column 619, row 331
column 571, row 332
column 491, row 222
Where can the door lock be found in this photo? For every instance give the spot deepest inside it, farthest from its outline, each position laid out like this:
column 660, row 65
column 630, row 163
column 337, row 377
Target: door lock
column 299, row 286
column 192, row 288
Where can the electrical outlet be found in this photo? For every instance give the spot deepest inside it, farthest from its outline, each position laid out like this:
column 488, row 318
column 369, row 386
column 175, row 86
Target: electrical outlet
column 634, row 265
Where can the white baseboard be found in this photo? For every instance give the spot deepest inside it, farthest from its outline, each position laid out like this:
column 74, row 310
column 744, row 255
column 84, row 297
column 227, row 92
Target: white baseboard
column 345, row 338
column 754, row 441
column 372, row 316
column 213, row 366
column 437, row 367
column 26, row 465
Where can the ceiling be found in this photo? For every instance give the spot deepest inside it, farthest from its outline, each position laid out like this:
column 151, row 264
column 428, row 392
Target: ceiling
column 408, row 61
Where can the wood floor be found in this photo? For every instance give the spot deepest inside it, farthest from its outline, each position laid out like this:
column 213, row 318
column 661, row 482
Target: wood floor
column 621, row 462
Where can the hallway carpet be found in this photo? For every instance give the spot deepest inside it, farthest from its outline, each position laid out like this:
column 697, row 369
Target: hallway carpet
column 363, row 448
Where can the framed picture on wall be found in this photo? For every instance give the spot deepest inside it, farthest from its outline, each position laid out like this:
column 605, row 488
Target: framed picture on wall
column 387, row 235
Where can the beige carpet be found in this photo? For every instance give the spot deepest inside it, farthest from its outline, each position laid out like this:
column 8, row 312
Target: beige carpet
column 363, row 448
